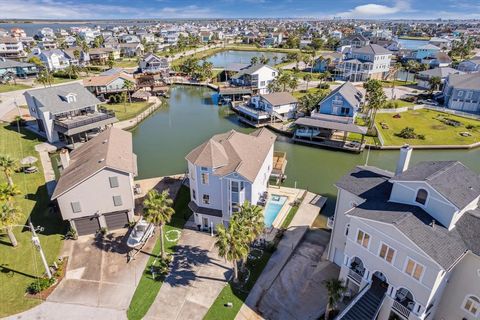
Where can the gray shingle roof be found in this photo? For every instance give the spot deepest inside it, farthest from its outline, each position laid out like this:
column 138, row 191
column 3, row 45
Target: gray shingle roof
column 468, row 226
column 440, row 72
column 7, row 63
column 52, row 98
column 372, row 49
column 279, row 98
column 348, row 92
column 367, row 183
column 451, row 179
column 470, row 81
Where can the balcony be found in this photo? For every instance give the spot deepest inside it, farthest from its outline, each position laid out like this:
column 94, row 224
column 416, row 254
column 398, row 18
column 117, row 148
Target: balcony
column 70, row 125
column 403, row 303
column 356, row 270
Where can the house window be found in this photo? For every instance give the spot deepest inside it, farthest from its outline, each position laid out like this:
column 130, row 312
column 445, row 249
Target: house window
column 472, row 304
column 345, row 110
column 204, row 178
column 422, row 195
column 363, row 238
column 113, row 182
column 76, row 207
column 117, row 201
column 206, row 199
column 414, row 269
column 386, row 253
column 460, row 93
column 194, row 194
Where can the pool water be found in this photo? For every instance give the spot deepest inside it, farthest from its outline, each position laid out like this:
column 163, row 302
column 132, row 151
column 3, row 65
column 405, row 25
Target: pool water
column 272, row 209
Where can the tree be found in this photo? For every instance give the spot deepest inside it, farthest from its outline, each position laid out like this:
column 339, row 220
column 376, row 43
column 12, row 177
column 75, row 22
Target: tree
column 335, row 289
column 293, row 83
column 8, row 192
column 434, row 83
column 231, row 243
column 310, row 101
column 264, row 60
column 283, row 80
column 207, row 69
column 72, row 71
column 251, row 218
column 45, row 78
column 9, row 216
column 157, row 209
column 275, row 59
column 111, row 60
column 254, row 60
column 36, row 61
column 129, row 86
column 375, row 99
column 307, row 78
column 411, row 65
column 8, row 165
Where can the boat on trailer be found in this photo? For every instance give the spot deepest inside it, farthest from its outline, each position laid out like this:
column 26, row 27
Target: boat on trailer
column 141, row 232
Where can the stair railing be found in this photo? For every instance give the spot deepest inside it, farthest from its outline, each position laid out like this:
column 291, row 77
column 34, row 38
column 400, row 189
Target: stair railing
column 354, row 301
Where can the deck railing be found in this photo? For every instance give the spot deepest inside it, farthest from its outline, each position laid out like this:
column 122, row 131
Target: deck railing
column 355, row 276
column 401, row 309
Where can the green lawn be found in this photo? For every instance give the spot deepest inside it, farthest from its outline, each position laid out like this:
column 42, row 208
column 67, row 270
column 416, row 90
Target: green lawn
column 312, row 90
column 425, row 122
column 128, row 110
column 399, row 103
column 414, row 38
column 288, row 219
column 19, row 266
column 148, row 288
column 218, row 310
column 126, row 63
column 397, row 83
column 13, row 87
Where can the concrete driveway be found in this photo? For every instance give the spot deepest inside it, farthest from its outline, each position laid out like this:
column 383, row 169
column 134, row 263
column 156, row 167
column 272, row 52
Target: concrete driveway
column 197, row 277
column 98, row 284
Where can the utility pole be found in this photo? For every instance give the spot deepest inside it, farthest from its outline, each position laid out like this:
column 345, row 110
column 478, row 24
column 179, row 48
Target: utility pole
column 36, row 243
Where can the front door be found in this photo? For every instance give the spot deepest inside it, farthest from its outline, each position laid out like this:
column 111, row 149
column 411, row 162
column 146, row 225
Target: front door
column 205, row 222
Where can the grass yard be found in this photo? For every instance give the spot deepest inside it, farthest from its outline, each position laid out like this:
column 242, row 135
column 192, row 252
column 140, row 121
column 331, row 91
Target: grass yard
column 128, row 110
column 397, row 83
column 312, row 90
column 148, row 288
column 13, row 87
column 288, row 219
column 21, row 265
column 126, row 63
column 425, row 122
column 218, row 310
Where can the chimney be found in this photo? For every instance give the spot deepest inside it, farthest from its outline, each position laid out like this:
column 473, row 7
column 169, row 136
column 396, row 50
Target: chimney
column 64, row 158
column 403, row 159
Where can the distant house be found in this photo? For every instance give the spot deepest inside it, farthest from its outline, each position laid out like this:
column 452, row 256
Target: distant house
column 423, row 77
column 355, row 41
column 442, row 43
column 336, row 34
column 11, row 68
column 362, row 64
column 54, row 60
column 131, row 49
column 206, row 36
column 152, row 63
column 257, row 77
column 439, row 59
column 67, row 113
column 107, row 85
column 11, row 48
column 425, row 51
column 327, row 61
column 101, row 55
column 462, row 92
column 82, row 60
column 471, row 65
column 102, row 169
column 70, row 41
column 273, row 39
column 227, row 170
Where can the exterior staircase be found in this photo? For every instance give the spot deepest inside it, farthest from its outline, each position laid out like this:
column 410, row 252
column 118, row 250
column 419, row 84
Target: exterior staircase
column 366, row 307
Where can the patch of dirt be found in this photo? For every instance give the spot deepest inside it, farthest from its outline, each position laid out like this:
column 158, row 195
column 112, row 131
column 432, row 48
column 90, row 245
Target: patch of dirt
column 439, row 127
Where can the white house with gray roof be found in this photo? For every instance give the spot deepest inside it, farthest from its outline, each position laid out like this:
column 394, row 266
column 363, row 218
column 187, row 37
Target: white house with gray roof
column 256, row 77
column 462, row 92
column 227, row 170
column 369, row 62
column 67, row 113
column 401, row 239
column 95, row 188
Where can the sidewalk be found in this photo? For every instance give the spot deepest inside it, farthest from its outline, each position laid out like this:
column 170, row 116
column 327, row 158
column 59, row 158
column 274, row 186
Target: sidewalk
column 306, row 214
column 43, row 149
column 127, row 124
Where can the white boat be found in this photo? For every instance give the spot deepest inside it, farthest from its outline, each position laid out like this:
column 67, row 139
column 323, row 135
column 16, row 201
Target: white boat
column 307, row 132
column 140, row 233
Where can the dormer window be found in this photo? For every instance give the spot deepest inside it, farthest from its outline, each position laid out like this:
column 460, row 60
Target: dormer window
column 71, row 97
column 422, row 195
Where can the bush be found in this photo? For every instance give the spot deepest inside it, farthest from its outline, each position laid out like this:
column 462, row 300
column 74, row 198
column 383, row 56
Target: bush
column 64, row 75
column 409, row 133
column 40, row 284
column 323, row 86
column 391, row 105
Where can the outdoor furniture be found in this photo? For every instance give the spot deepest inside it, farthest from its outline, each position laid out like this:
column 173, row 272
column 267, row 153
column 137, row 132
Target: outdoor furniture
column 32, row 169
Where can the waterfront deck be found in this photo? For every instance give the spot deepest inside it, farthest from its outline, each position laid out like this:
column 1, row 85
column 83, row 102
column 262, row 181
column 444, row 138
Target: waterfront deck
column 350, row 146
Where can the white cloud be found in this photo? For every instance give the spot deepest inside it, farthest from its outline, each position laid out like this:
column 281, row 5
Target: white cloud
column 373, row 9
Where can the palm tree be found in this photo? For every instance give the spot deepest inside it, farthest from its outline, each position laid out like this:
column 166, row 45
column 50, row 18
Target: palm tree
column 129, row 86
column 376, row 98
column 275, row 59
column 8, row 192
column 307, row 78
column 251, row 218
column 293, row 83
column 72, row 71
column 335, row 289
column 264, row 59
column 283, row 80
column 8, row 165
column 434, row 83
column 157, row 209
column 45, row 77
column 231, row 244
column 254, row 60
column 9, row 216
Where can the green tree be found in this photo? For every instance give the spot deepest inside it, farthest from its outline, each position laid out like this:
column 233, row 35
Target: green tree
column 307, row 78
column 8, row 165
column 411, row 65
column 36, row 61
column 275, row 60
column 45, row 77
column 254, row 60
column 375, row 99
column 293, row 83
column 72, row 71
column 264, row 60
column 157, row 209
column 434, row 83
column 8, row 192
column 335, row 289
column 9, row 216
column 283, row 80
column 129, row 86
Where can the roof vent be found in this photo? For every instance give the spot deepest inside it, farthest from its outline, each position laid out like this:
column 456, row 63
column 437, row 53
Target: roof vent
column 101, row 160
column 432, row 224
column 105, row 141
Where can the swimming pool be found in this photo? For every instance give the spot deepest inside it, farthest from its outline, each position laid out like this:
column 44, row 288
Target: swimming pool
column 272, row 209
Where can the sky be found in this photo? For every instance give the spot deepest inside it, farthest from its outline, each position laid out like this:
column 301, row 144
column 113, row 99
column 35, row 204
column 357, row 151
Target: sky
column 134, row 9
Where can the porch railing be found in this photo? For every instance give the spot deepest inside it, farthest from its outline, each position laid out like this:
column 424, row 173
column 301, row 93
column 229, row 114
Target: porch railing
column 401, row 309
column 355, row 276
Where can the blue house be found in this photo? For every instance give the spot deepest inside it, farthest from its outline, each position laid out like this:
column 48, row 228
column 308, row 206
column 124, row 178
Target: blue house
column 426, row 51
column 11, row 68
column 327, row 61
column 343, row 101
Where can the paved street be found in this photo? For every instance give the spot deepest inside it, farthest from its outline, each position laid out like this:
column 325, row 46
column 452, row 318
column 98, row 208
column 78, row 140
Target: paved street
column 198, row 275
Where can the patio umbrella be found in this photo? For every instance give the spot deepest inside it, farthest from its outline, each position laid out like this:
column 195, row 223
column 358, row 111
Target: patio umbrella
column 28, row 160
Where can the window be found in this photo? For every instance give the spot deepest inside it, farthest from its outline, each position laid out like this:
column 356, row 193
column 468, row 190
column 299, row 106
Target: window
column 363, row 238
column 262, row 83
column 204, row 178
column 386, row 253
column 460, row 93
column 346, row 229
column 422, row 195
column 194, row 194
column 414, row 269
column 117, row 201
column 472, row 304
column 206, row 199
column 76, row 207
column 113, row 182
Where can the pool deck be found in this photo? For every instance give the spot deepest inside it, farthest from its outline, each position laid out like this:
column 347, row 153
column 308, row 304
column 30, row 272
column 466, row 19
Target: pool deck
column 291, row 194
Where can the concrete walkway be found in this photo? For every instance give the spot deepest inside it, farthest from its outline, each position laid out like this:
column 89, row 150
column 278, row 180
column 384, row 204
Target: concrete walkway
column 197, row 277
column 130, row 123
column 43, row 150
column 304, row 218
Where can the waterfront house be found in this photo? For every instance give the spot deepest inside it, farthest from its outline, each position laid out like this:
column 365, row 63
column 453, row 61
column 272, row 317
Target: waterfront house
column 256, row 77
column 54, row 60
column 227, row 170
column 442, row 43
column 47, row 44
column 96, row 190
column 471, row 65
column 425, row 51
column 362, row 64
column 407, row 243
column 439, row 59
column 11, row 48
column 355, row 41
column 327, row 61
column 67, row 113
column 423, row 77
column 152, row 63
column 105, row 86
column 11, row 68
column 82, row 60
column 273, row 39
column 462, row 92
column 18, row 33
column 131, row 49
column 101, row 55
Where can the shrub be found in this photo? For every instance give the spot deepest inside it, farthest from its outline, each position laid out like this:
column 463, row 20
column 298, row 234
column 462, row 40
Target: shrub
column 40, row 284
column 64, row 75
column 391, row 105
column 323, row 86
column 409, row 133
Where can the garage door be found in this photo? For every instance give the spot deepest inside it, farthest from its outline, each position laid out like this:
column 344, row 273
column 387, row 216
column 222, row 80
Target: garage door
column 116, row 220
column 86, row 226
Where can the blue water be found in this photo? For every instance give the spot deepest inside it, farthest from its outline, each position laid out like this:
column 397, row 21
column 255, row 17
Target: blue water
column 412, row 44
column 229, row 57
column 274, row 206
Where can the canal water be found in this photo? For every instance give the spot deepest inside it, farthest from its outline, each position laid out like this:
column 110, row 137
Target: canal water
column 189, row 118
column 412, row 44
column 226, row 58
